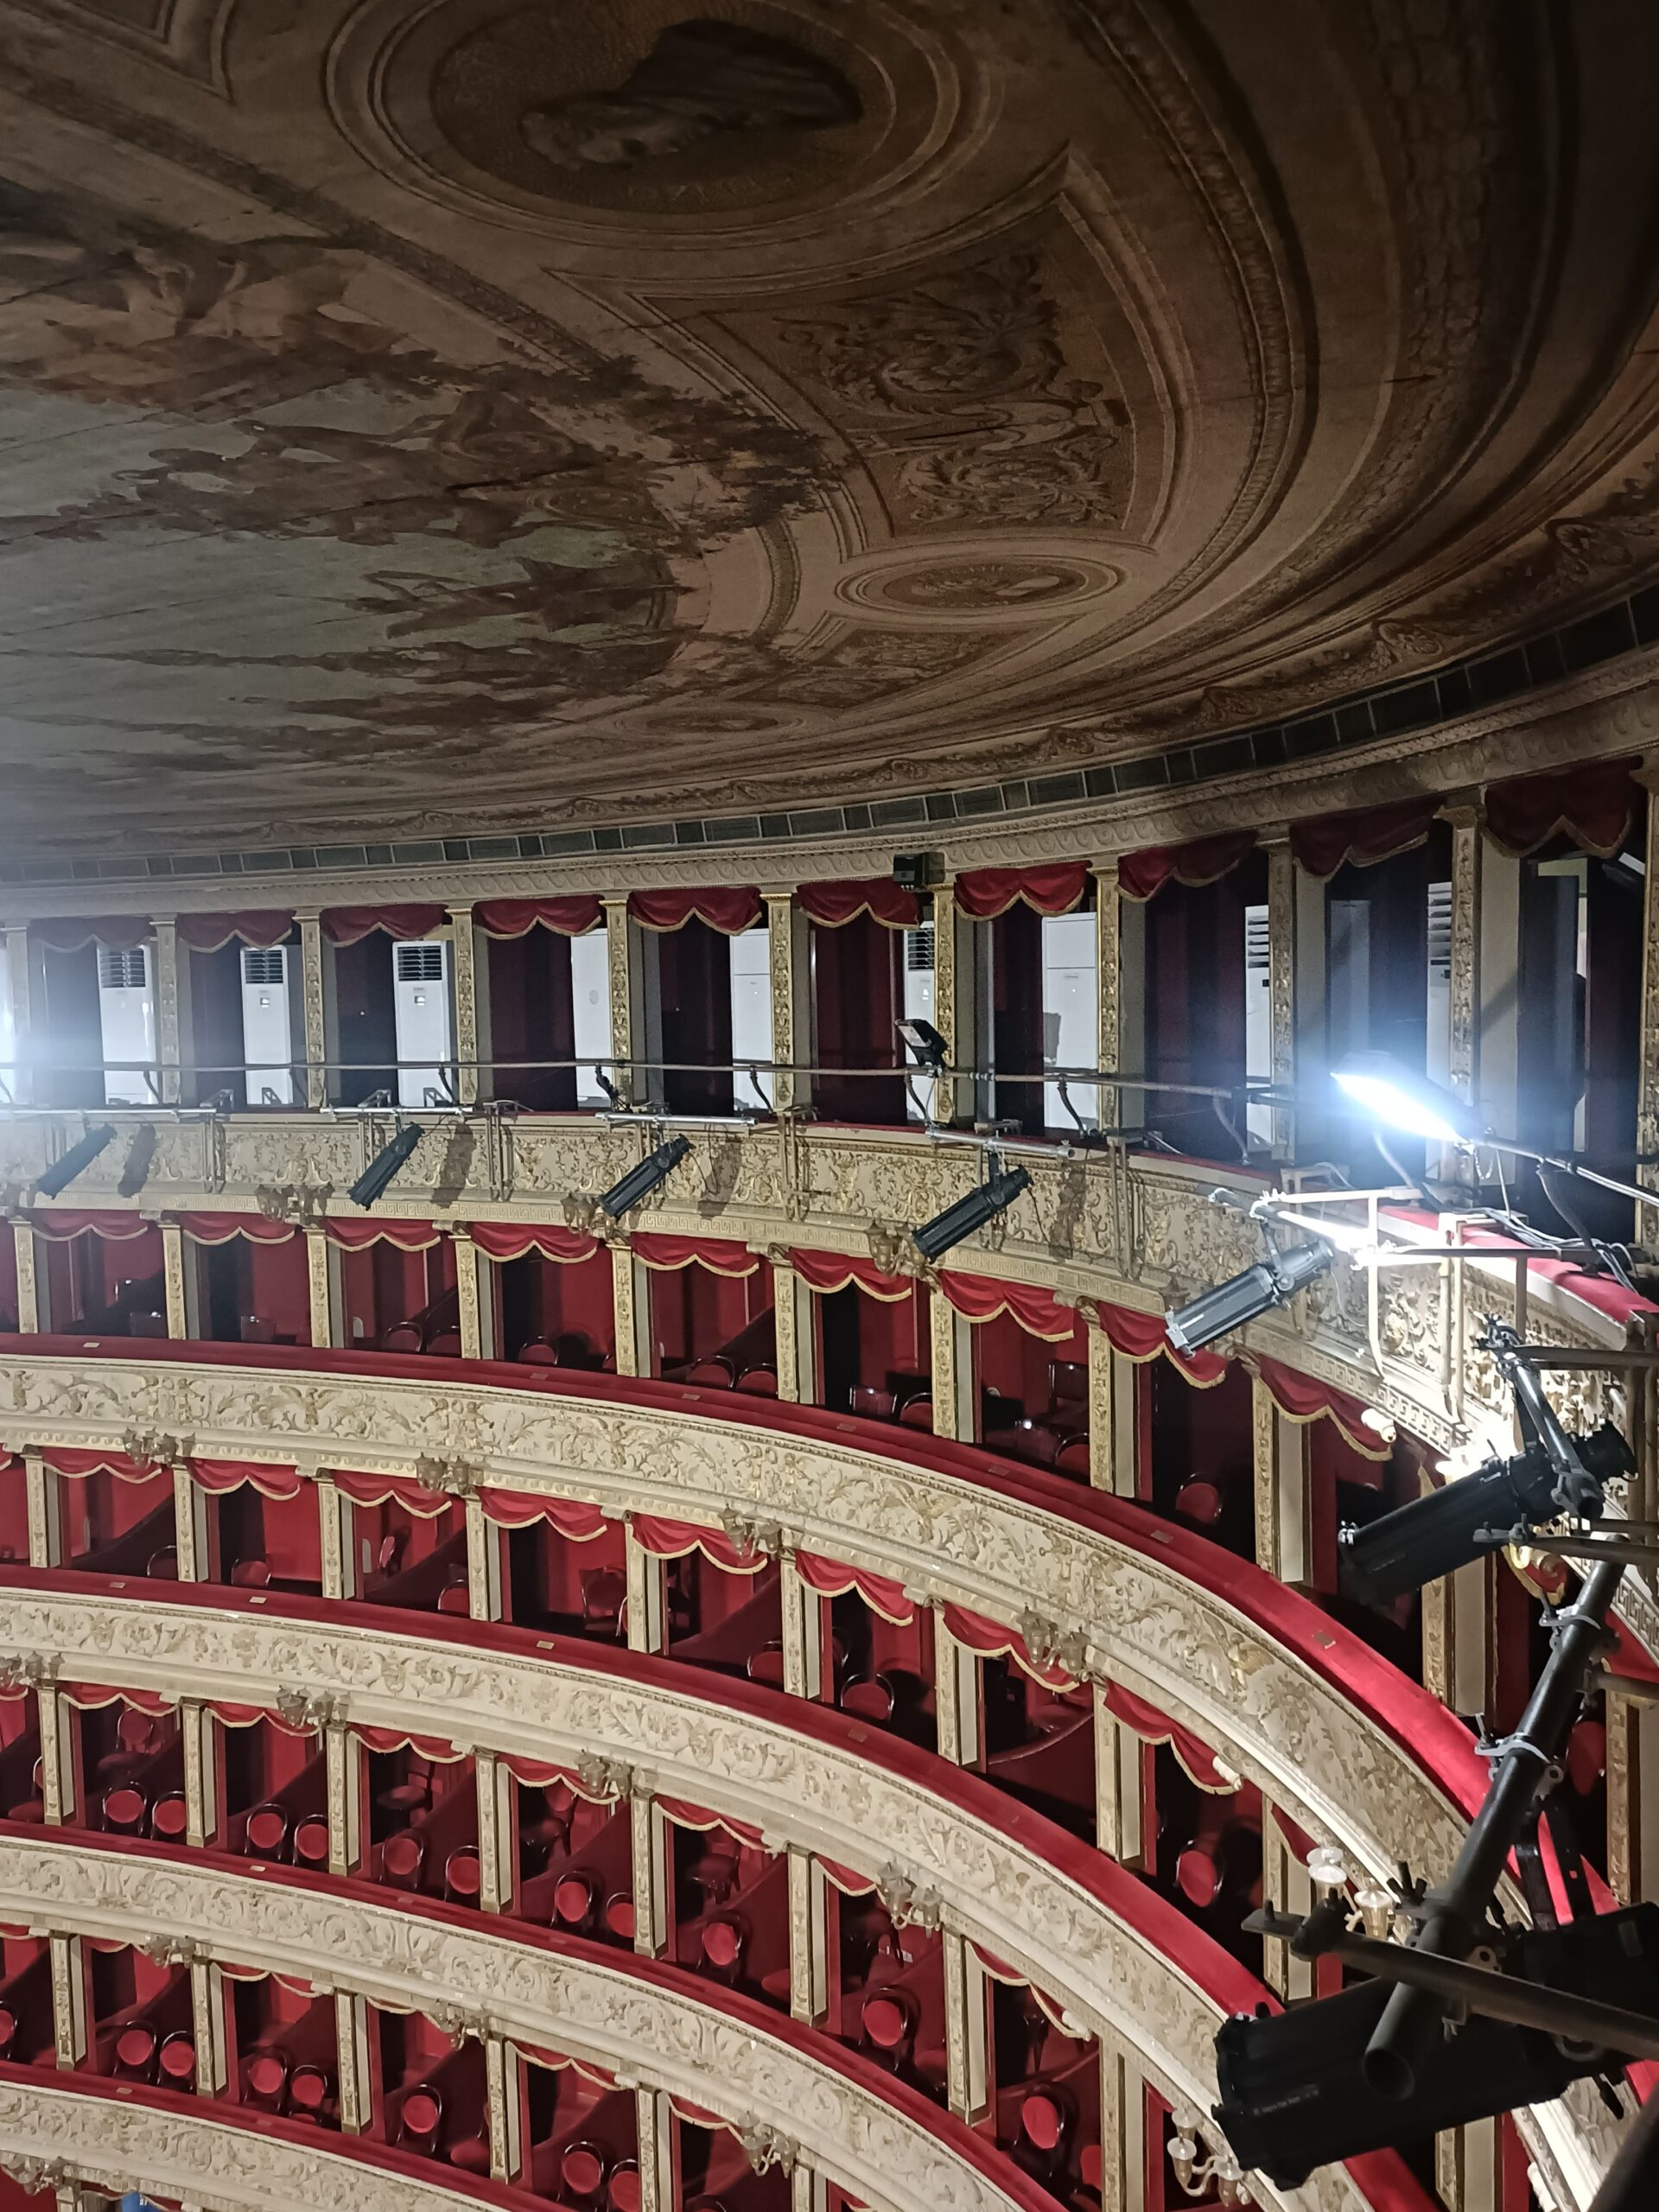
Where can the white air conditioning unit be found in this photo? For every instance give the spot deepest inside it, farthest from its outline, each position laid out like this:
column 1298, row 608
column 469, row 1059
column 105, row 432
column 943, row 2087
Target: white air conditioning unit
column 590, row 1008
column 267, row 1024
column 126, row 1012
column 1258, row 1016
column 918, row 1004
column 752, row 1010
column 425, row 1022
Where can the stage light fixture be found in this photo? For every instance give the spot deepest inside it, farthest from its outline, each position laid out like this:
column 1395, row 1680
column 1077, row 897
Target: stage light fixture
column 386, row 1164
column 924, row 1039
column 1245, row 1297
column 63, row 1172
column 994, row 1196
column 1502, row 1502
column 640, row 1182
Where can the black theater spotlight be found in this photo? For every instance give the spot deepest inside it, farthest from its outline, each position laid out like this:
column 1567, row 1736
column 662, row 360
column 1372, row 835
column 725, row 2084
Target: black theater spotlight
column 640, row 1182
column 994, row 1196
column 924, row 1039
column 63, row 1171
column 386, row 1163
column 1245, row 1297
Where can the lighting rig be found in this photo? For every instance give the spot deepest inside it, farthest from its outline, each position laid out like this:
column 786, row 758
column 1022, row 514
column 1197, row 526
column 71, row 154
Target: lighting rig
column 81, row 1155
column 1470, row 2015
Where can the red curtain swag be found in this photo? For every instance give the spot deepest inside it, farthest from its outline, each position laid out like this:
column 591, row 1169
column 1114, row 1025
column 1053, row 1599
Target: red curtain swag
column 1593, row 805
column 732, row 911
column 437, row 1748
column 511, row 1240
column 985, row 892
column 830, row 1578
column 400, row 1490
column 980, row 1299
column 59, row 1225
column 721, row 1255
column 828, row 1272
column 1140, row 1337
column 220, row 1475
column 221, row 1228
column 90, row 1696
column 674, row 1539
column 211, row 932
column 849, row 1880
column 1196, row 1760
column 358, row 1236
column 513, row 1509
column 992, row 1640
column 347, row 925
column 1015, row 1978
column 1365, row 836
column 1206, row 860
column 831, row 905
column 538, row 1773
column 67, row 933
column 685, row 1815
column 63, row 1459
column 294, row 1983
column 1304, row 1398
column 572, row 916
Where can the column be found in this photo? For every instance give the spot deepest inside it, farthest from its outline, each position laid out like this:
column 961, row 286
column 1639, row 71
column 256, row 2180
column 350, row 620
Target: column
column 788, row 950
column 1632, row 1794
column 69, row 2007
column 190, row 1529
column 172, row 1010
column 475, row 1296
column 650, row 1876
column 1285, row 1888
column 1283, row 1505
column 179, row 1279
column 1456, row 1630
column 199, row 1747
column 1120, row 923
column 967, row 2002
column 19, row 980
column 1467, row 2167
column 486, row 1563
column 631, row 1307
column 809, row 1939
column 470, row 1014
column 953, row 1371
column 636, row 1011
column 1113, row 1434
column 496, row 1832
column 504, row 2101
column 354, row 2071
column 1109, row 903
column 34, row 1298
column 336, row 1545
column 43, row 1496
column 322, row 1277
column 1647, row 1114
column 207, row 2024
column 1490, row 977
column 654, row 2122
column 1122, row 2134
column 57, row 1756
column 647, row 1596
column 796, row 1328
column 343, row 1763
column 956, row 1695
column 802, row 1619
column 1117, row 1786
column 313, row 1004
column 954, row 979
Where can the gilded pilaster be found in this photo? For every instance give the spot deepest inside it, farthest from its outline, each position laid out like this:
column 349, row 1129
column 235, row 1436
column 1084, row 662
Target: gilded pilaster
column 1108, row 899
column 503, row 2104
column 947, row 1010
column 647, row 1579
column 1647, row 1116
column 1117, row 1786
column 334, row 1533
column 650, row 1838
column 343, row 1768
column 630, row 1311
column 1102, row 1427
column 1282, row 989
column 1467, row 2167
column 57, row 1757
column 171, row 1042
column 30, row 1319
column 469, row 1295
column 654, row 2125
column 955, row 1671
column 313, row 1017
column 463, row 968
column 320, row 1270
column 809, row 1958
column 620, row 959
column 803, row 1632
column 174, row 1263
column 207, row 2026
column 791, row 1011
column 196, row 1743
column 43, row 1496
column 1280, row 1479
column 966, row 2087
column 1123, row 2166
column 496, row 1832
column 352, row 2063
column 797, row 1347
column 953, row 1369
column 1464, row 987
column 1285, row 1888
column 190, row 1531
column 484, row 1563
column 68, row 1967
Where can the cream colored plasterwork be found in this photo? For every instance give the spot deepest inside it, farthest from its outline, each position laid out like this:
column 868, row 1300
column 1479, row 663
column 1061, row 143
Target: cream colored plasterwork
column 1134, row 1233
column 1131, row 1617
column 479, row 1975
column 199, row 2156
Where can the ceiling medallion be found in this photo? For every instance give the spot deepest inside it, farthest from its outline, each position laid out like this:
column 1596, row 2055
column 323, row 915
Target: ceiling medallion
column 976, row 589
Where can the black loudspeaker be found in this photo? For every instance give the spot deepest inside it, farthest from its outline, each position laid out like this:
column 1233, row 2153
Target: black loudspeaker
column 1292, row 2087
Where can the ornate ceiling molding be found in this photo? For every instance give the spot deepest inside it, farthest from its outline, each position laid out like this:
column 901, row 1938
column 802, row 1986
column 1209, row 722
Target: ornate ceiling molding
column 1275, row 1714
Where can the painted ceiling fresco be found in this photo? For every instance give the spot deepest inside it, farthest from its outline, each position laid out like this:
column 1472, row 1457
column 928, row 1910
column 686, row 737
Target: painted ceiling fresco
column 426, row 416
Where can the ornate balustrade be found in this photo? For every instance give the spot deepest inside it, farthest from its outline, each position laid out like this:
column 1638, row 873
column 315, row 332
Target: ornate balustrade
column 1105, row 1227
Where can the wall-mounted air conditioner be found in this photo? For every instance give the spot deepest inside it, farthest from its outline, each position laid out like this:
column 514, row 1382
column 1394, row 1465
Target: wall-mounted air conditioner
column 126, row 1012
column 425, row 1022
column 752, row 1010
column 919, row 1004
column 267, row 1024
column 590, row 1005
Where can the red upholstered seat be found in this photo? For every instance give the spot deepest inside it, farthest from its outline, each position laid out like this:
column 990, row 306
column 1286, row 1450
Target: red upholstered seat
column 1073, row 1458
column 250, row 1574
column 758, row 1381
column 309, row 2091
column 1199, row 1503
column 266, row 1835
column 604, row 1600
column 454, row 1598
column 135, row 2052
column 471, row 2154
column 125, row 1811
column 311, row 1842
column 766, row 1666
column 8, row 2032
column 1042, row 2123
column 421, row 2117
column 722, row 1944
column 405, row 1337
column 619, row 1915
column 711, row 1373
column 445, row 1346
column 169, row 1817
column 871, row 1403
column 461, row 1877
column 265, row 2080
column 1089, row 2165
column 575, row 1900
column 581, row 2170
column 622, row 2192
column 1198, row 1875
column 869, row 1700
column 918, row 1413
column 178, row 2061
column 162, row 1565
column 537, row 1353
column 402, row 1857
column 887, row 2018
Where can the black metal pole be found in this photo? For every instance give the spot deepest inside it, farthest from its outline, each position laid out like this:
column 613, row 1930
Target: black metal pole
column 1631, row 2184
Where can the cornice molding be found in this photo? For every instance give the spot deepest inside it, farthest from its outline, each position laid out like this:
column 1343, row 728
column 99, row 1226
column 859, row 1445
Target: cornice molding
column 1142, row 1620
column 1599, row 713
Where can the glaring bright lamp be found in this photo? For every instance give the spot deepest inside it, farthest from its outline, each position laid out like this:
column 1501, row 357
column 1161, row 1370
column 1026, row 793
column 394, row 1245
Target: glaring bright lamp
column 1401, row 1100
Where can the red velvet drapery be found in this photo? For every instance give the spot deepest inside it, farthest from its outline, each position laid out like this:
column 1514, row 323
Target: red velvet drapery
column 985, row 892
column 1205, row 859
column 407, row 1236
column 666, row 1538
column 219, row 1475
column 571, row 917
column 982, row 1299
column 1323, row 842
column 221, row 1228
column 721, row 1255
column 828, row 1272
column 69, row 933
column 347, row 925
column 833, row 905
column 880, row 1592
column 730, row 910
column 572, row 1518
column 208, row 932
column 511, row 1240
column 1593, row 805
